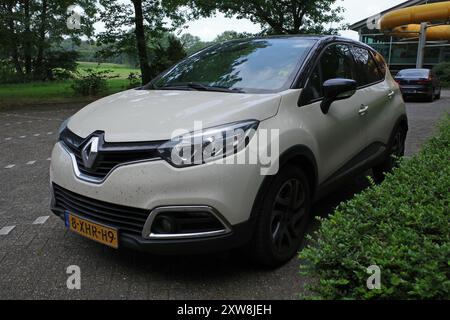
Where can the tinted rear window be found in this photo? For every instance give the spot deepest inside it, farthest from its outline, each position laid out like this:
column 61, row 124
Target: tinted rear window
column 367, row 71
column 381, row 63
column 414, row 73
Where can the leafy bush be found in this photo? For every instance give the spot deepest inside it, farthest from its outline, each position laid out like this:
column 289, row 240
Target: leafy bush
column 57, row 65
column 402, row 226
column 92, row 82
column 8, row 74
column 135, row 80
column 59, row 74
column 443, row 72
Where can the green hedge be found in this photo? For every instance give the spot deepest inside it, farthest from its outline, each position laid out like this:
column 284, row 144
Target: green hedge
column 401, row 225
column 443, row 72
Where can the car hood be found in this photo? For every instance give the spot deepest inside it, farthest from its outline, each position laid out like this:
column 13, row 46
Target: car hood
column 146, row 115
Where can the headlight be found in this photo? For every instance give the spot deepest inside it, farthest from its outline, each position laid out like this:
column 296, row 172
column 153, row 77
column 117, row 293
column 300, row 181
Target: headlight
column 208, row 145
column 63, row 126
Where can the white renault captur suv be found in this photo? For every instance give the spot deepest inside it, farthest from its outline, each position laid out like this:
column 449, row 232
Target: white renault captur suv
column 229, row 148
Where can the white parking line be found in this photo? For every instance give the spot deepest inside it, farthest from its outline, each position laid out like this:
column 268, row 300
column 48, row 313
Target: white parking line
column 23, row 137
column 10, row 166
column 6, row 230
column 31, row 162
column 41, row 220
column 34, row 118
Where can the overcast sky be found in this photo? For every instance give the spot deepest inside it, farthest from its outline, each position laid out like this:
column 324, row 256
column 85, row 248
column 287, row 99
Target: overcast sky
column 208, row 28
column 356, row 10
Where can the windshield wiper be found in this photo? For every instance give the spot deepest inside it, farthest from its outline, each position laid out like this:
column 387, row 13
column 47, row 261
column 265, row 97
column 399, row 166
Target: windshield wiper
column 197, row 86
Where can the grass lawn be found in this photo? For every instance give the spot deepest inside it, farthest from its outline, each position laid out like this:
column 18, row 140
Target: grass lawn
column 60, row 91
column 118, row 69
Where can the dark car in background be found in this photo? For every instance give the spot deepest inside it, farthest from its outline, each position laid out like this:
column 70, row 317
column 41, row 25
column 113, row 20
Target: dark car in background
column 419, row 83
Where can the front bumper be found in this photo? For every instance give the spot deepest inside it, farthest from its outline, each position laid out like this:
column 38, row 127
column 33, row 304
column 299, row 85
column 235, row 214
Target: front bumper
column 240, row 234
column 145, row 186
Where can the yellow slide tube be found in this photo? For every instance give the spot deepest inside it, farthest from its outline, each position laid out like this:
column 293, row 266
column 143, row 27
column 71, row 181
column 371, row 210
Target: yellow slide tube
column 412, row 31
column 439, row 11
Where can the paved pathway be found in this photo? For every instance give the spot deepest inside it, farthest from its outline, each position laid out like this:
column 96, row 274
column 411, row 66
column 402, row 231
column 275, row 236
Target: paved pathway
column 36, row 249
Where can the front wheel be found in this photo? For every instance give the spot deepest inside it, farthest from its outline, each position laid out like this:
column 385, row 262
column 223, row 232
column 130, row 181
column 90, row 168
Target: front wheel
column 283, row 218
column 396, row 151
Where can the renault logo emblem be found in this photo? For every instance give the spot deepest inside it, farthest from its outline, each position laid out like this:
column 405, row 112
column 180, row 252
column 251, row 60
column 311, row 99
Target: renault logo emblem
column 90, row 152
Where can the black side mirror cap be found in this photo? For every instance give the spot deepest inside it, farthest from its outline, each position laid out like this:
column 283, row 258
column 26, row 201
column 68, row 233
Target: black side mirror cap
column 337, row 89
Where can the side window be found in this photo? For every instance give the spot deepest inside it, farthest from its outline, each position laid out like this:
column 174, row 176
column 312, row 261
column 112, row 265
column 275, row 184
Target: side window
column 366, row 69
column 314, row 89
column 381, row 64
column 335, row 62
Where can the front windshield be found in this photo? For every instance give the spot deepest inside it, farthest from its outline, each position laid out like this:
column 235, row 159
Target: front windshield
column 254, row 65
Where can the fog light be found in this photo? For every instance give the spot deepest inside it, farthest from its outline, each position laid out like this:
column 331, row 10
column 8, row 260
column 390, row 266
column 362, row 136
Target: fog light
column 164, row 225
column 180, row 222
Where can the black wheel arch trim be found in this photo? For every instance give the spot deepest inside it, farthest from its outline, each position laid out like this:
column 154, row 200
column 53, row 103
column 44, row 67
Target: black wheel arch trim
column 298, row 151
column 401, row 121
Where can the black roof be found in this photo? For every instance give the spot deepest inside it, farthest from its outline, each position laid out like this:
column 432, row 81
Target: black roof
column 308, row 36
column 321, row 39
column 284, row 36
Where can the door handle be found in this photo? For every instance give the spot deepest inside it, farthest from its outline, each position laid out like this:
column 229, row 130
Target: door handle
column 363, row 110
column 391, row 94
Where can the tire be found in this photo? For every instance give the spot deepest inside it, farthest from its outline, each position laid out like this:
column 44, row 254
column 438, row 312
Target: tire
column 438, row 96
column 430, row 98
column 282, row 218
column 396, row 150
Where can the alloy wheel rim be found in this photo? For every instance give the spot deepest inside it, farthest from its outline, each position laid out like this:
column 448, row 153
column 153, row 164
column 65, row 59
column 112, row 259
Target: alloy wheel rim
column 287, row 216
column 398, row 147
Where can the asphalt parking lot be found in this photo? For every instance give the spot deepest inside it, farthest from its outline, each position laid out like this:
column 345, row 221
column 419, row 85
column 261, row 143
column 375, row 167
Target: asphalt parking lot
column 36, row 249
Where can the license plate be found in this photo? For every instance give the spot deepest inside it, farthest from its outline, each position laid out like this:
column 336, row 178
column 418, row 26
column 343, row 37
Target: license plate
column 94, row 231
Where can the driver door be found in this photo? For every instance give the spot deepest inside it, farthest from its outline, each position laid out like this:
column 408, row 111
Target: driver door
column 339, row 134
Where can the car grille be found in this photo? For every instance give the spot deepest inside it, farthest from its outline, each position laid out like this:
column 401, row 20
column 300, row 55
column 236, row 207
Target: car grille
column 126, row 219
column 110, row 155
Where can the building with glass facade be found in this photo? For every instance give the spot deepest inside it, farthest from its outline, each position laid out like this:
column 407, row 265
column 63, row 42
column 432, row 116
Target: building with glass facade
column 401, row 53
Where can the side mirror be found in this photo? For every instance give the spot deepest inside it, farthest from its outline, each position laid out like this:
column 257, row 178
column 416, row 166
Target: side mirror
column 337, row 89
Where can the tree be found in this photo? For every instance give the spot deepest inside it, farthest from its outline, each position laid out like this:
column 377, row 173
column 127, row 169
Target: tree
column 33, row 29
column 231, row 35
column 140, row 40
column 279, row 16
column 9, row 15
column 146, row 18
column 192, row 43
column 166, row 52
